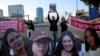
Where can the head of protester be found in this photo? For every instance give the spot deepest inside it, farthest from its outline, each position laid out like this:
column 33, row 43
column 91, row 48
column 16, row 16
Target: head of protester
column 92, row 41
column 53, row 18
column 66, row 45
column 14, row 41
column 63, row 24
column 63, row 19
column 38, row 43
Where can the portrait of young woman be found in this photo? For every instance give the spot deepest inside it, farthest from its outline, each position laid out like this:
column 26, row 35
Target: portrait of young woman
column 14, row 41
column 39, row 44
column 92, row 42
column 66, row 45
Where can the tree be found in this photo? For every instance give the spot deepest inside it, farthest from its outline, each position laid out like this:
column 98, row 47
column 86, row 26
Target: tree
column 84, row 17
column 95, row 3
column 93, row 7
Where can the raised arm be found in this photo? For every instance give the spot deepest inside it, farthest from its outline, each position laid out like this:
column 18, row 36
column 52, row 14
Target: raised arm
column 57, row 16
column 49, row 17
column 26, row 23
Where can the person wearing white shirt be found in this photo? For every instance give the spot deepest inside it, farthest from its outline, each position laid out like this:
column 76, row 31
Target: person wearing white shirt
column 92, row 42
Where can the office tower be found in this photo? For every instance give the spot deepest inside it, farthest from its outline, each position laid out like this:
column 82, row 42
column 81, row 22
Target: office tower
column 1, row 13
column 16, row 11
column 39, row 14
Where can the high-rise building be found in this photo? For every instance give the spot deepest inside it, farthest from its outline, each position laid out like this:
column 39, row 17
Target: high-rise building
column 16, row 11
column 39, row 14
column 1, row 13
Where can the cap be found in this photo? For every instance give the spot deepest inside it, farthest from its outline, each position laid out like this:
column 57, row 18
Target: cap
column 38, row 34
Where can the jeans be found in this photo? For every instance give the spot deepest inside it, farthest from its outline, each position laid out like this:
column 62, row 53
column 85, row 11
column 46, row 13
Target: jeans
column 29, row 31
column 54, row 34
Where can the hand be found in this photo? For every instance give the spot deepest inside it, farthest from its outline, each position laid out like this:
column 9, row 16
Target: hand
column 49, row 11
column 56, row 11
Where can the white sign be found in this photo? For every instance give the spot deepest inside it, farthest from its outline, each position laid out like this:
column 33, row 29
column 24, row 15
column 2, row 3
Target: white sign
column 52, row 7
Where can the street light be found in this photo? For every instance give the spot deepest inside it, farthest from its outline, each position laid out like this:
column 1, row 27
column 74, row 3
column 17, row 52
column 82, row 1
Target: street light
column 27, row 16
column 76, row 7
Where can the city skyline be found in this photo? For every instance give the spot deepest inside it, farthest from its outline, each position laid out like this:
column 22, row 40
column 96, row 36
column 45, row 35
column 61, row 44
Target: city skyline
column 31, row 5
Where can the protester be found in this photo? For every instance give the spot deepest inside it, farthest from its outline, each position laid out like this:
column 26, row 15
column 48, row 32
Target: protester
column 30, row 27
column 92, row 42
column 63, row 24
column 66, row 45
column 14, row 41
column 39, row 44
column 53, row 27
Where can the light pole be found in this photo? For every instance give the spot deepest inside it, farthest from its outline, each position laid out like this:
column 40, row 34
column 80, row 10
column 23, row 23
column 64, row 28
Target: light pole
column 76, row 8
column 27, row 17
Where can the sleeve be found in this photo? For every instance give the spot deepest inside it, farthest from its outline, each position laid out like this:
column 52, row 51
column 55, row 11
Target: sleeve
column 32, row 26
column 49, row 17
column 57, row 17
column 26, row 23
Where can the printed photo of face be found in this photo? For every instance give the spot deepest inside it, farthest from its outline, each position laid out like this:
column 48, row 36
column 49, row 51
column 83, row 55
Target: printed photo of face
column 67, row 43
column 39, row 48
column 90, row 38
column 15, row 41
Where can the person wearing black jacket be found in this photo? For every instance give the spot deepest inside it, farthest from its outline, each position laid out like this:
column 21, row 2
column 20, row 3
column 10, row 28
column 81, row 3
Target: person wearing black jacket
column 53, row 27
column 30, row 27
column 63, row 25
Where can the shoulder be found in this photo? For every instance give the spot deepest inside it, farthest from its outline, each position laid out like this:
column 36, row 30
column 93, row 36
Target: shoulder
column 97, row 52
column 98, row 49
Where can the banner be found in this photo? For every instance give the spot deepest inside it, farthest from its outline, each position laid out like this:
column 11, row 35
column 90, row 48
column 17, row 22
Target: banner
column 81, row 24
column 16, row 24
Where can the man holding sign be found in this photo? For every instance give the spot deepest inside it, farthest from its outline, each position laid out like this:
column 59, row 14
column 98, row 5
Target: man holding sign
column 53, row 23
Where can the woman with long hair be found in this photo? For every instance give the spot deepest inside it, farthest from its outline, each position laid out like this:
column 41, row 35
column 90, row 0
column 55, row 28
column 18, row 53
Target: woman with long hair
column 92, row 42
column 66, row 45
column 63, row 24
column 14, row 41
